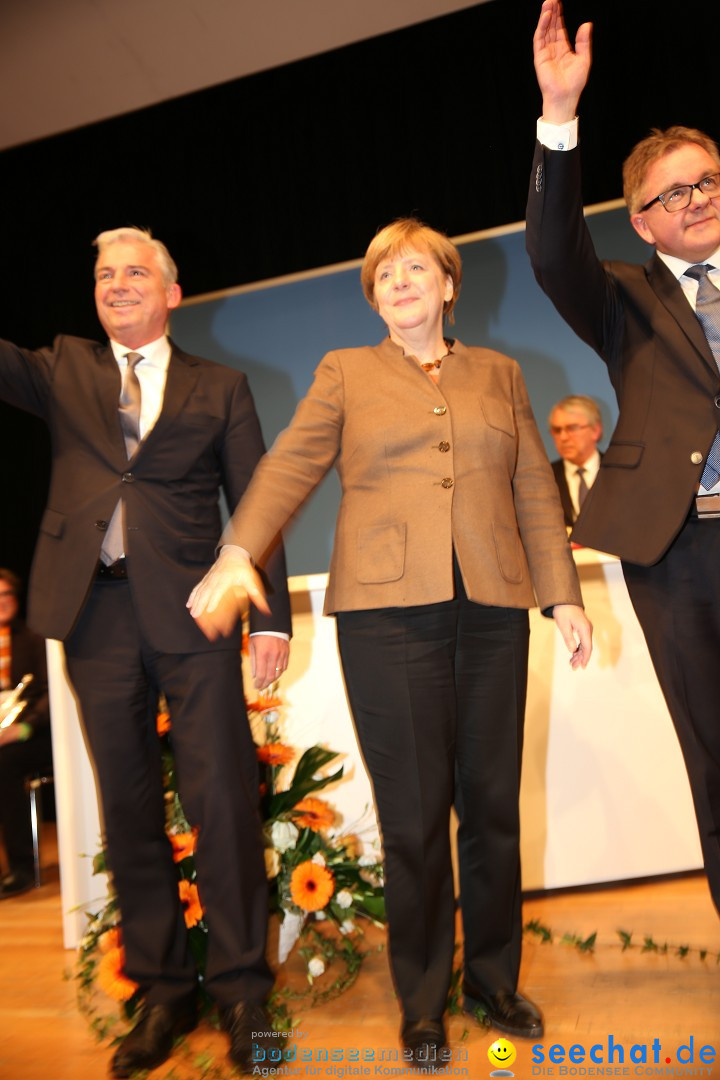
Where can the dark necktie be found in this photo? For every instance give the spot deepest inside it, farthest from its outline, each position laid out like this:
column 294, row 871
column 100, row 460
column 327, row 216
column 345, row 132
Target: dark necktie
column 707, row 309
column 582, row 487
column 129, row 416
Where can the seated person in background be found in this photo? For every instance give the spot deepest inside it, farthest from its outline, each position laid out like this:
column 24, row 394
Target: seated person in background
column 576, row 426
column 25, row 745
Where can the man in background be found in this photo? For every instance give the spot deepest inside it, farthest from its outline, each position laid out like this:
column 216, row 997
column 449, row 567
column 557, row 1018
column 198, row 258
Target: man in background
column 25, row 744
column 576, row 426
column 144, row 436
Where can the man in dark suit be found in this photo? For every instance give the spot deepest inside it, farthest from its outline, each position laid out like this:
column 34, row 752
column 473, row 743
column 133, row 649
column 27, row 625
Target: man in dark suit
column 144, row 436
column 655, row 502
column 576, row 426
column 25, row 745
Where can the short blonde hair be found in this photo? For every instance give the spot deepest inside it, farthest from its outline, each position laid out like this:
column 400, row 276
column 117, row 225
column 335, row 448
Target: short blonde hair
column 655, row 146
column 132, row 235
column 401, row 235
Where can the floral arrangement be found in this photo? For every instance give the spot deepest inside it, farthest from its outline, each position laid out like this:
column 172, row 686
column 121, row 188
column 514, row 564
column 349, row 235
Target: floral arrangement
column 320, row 885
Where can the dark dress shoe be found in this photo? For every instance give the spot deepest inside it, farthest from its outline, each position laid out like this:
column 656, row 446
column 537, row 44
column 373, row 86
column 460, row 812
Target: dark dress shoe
column 151, row 1040
column 510, row 1013
column 250, row 1030
column 15, row 883
column 424, row 1039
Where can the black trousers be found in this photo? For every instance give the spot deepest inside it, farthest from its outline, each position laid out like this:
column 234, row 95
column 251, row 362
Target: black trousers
column 18, row 760
column 677, row 602
column 117, row 677
column 437, row 694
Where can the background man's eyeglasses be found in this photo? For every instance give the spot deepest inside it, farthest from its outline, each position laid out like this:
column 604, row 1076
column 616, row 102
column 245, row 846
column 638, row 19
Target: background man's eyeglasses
column 572, row 429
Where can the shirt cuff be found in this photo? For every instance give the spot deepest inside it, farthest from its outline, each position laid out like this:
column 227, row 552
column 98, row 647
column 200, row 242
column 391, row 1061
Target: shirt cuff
column 270, row 633
column 558, row 136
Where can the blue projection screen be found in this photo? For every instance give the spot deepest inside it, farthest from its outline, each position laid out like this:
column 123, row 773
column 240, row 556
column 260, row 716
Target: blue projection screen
column 277, row 332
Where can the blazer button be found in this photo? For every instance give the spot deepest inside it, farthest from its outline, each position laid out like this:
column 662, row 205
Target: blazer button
column 102, row 525
column 696, row 457
column 717, row 402
column 447, row 482
column 127, row 478
column 440, row 410
column 444, row 447
column 539, row 178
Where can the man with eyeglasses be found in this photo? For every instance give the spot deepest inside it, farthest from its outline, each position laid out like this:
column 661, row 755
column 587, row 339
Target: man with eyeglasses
column 576, row 426
column 656, row 501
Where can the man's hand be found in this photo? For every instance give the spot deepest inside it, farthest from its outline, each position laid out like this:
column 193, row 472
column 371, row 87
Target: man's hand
column 576, row 630
column 268, row 658
column 218, row 601
column 561, row 73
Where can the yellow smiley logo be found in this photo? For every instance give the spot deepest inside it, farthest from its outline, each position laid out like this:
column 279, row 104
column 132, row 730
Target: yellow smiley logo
column 502, row 1053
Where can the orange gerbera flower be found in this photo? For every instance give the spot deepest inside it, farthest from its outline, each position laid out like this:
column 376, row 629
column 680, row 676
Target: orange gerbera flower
column 163, row 723
column 313, row 814
column 111, row 976
column 274, row 753
column 111, row 939
column 311, row 886
column 190, row 900
column 183, row 845
column 264, row 703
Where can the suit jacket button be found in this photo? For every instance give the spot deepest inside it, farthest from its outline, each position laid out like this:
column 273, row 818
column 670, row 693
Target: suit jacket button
column 127, row 478
column 696, row 457
column 717, row 402
column 440, row 410
column 102, row 525
column 447, row 482
column 539, row 178
column 444, row 447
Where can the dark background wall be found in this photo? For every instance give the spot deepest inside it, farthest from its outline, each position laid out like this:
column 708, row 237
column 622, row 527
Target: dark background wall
column 296, row 168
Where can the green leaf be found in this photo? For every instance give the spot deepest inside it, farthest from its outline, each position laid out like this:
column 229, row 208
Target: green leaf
column 625, row 938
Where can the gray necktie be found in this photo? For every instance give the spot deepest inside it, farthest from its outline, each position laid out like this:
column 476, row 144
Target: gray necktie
column 707, row 309
column 129, row 416
column 582, row 487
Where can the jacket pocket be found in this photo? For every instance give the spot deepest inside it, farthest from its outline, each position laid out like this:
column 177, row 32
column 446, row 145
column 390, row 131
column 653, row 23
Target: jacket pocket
column 380, row 553
column 509, row 553
column 623, row 455
column 498, row 414
column 53, row 523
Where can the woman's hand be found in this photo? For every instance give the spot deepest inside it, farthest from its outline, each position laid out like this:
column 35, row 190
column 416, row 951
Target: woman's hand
column 576, row 630
column 561, row 72
column 218, row 601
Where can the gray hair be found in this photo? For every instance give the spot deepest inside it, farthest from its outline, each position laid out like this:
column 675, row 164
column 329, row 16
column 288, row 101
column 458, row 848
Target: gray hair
column 132, row 235
column 579, row 403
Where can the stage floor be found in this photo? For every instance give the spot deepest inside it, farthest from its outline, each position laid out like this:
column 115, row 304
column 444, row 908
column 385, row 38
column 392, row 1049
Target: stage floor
column 611, row 1005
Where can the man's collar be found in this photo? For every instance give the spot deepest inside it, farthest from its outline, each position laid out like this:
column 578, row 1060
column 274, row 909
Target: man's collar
column 677, row 267
column 156, row 352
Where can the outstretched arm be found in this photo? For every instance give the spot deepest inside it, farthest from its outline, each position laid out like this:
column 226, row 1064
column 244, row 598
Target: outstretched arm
column 561, row 71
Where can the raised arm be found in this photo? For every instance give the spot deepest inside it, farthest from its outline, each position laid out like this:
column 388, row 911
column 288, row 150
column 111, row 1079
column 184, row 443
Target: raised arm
column 562, row 72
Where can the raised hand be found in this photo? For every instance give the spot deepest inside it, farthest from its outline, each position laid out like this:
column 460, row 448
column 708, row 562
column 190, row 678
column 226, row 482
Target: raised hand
column 561, row 71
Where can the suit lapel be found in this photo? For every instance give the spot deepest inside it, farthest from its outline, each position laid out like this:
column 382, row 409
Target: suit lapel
column 669, row 292
column 182, row 376
column 108, row 392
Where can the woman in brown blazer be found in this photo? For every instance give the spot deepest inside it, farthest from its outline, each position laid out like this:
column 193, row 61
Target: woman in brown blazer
column 449, row 529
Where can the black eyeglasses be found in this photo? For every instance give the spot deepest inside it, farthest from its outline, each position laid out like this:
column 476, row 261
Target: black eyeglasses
column 679, row 197
column 572, row 429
